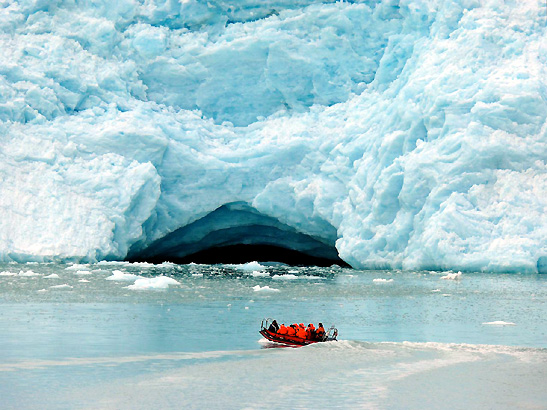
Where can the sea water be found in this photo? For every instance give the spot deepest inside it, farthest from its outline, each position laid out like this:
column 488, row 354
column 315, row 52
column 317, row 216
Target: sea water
column 142, row 336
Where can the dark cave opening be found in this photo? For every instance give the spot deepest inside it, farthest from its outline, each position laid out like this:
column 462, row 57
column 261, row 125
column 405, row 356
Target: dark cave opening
column 238, row 233
column 237, row 254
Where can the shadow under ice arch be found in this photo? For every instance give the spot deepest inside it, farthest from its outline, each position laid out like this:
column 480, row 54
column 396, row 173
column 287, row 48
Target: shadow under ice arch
column 238, row 233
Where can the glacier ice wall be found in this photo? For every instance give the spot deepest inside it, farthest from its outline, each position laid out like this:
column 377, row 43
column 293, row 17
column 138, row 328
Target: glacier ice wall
column 411, row 133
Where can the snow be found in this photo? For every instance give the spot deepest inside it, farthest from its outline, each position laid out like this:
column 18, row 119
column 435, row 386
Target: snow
column 160, row 282
column 409, row 136
column 52, row 276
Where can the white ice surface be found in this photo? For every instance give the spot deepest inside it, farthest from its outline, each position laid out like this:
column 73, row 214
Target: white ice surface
column 382, row 280
column 499, row 323
column 160, row 282
column 118, row 275
column 265, row 289
column 452, row 276
column 416, row 129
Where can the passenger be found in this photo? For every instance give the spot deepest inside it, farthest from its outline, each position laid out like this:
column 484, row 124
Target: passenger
column 291, row 331
column 320, row 332
column 310, row 332
column 274, row 327
column 282, row 329
column 301, row 332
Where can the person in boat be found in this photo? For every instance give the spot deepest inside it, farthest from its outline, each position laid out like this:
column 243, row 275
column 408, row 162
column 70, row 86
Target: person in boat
column 320, row 332
column 301, row 332
column 282, row 329
column 274, row 327
column 310, row 332
column 291, row 330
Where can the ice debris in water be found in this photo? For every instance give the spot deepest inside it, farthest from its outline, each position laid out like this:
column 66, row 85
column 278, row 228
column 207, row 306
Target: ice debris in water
column 63, row 286
column 452, row 276
column 82, row 272
column 7, row 273
column 52, row 276
column 499, row 323
column 118, row 275
column 284, row 277
column 160, row 282
column 295, row 277
column 382, row 280
column 266, row 288
column 77, row 267
column 21, row 273
column 259, row 273
column 418, row 142
column 251, row 266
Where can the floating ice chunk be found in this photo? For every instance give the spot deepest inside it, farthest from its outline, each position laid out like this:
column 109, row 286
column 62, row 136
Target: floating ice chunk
column 28, row 273
column 82, row 272
column 83, row 281
column 137, row 264
column 160, row 282
column 166, row 265
column 7, row 273
column 381, row 280
column 63, row 286
column 197, row 275
column 42, row 290
column 258, row 288
column 296, row 277
column 121, row 276
column 452, row 276
column 106, row 263
column 284, row 277
column 436, row 290
column 52, row 276
column 499, row 323
column 77, row 266
column 251, row 266
column 259, row 273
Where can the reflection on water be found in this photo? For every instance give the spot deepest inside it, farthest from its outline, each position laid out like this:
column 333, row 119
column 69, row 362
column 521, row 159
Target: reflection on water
column 84, row 328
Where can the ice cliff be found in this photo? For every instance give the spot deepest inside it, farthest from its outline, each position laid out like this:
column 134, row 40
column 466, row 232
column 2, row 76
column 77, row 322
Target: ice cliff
column 406, row 133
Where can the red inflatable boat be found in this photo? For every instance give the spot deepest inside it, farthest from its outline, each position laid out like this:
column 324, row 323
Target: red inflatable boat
column 330, row 335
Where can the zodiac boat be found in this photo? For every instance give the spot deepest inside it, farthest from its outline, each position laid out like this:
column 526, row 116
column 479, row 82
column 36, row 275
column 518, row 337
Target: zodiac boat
column 330, row 335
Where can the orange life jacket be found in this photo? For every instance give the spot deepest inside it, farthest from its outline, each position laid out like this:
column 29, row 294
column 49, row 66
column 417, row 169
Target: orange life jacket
column 301, row 333
column 282, row 330
column 320, row 331
column 291, row 331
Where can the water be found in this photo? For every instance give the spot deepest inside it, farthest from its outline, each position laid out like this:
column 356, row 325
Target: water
column 408, row 339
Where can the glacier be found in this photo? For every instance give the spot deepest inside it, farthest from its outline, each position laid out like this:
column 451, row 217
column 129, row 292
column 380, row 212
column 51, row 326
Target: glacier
column 396, row 134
